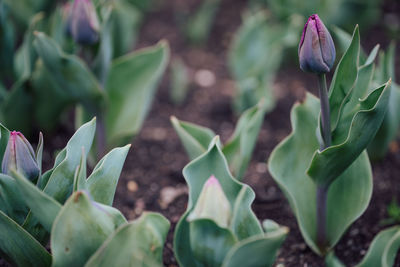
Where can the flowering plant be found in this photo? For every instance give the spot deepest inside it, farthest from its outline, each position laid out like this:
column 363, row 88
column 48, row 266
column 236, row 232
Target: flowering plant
column 219, row 228
column 322, row 166
column 72, row 209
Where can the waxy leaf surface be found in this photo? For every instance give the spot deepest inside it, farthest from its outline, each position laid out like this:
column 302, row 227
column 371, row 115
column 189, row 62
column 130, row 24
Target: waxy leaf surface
column 288, row 165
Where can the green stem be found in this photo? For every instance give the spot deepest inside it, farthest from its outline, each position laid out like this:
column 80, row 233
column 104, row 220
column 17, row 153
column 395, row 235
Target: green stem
column 322, row 190
column 325, row 113
column 322, row 195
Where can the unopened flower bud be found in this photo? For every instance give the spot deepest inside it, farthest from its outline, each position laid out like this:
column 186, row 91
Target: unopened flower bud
column 316, row 49
column 19, row 155
column 212, row 204
column 82, row 22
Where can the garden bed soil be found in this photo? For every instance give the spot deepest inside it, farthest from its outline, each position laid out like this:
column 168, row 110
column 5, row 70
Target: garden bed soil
column 152, row 176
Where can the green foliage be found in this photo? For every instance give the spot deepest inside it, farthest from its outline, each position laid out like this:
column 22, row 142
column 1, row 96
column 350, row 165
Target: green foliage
column 390, row 125
column 69, row 73
column 344, row 13
column 202, row 242
column 255, row 56
column 151, row 229
column 357, row 112
column 19, row 247
column 53, row 74
column 84, row 229
column 239, row 147
column 198, row 25
column 385, row 70
column 130, row 87
column 383, row 249
column 179, row 84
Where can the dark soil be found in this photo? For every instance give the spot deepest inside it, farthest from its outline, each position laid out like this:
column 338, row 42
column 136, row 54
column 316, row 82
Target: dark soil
column 154, row 165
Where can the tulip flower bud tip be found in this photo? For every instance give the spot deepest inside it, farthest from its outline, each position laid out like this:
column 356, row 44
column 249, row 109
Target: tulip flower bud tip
column 212, row 203
column 19, row 155
column 316, row 48
column 212, row 181
column 82, row 22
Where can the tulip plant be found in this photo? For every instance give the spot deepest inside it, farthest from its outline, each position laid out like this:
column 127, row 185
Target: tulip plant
column 72, row 209
column 77, row 58
column 322, row 166
column 219, row 227
column 237, row 150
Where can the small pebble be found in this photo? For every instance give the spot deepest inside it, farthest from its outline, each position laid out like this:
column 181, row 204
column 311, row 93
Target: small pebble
column 204, row 78
column 261, row 167
column 132, row 186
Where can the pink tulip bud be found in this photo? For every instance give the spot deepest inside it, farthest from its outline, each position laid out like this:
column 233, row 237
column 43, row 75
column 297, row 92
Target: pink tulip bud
column 212, row 204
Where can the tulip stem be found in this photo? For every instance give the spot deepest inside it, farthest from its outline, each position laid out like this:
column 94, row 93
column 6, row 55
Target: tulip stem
column 322, row 195
column 322, row 190
column 325, row 113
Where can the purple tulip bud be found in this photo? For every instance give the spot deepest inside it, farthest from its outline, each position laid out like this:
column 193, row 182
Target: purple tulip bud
column 212, row 203
column 20, row 156
column 316, row 49
column 82, row 22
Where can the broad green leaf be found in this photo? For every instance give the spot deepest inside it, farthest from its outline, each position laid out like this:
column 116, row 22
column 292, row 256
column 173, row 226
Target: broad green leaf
column 19, row 246
column 344, row 79
column 237, row 150
column 70, row 73
column 117, row 217
column 102, row 183
column 331, row 162
column 50, row 98
column 288, row 165
column 26, row 55
column 383, row 249
column 79, row 230
column 256, row 251
column 137, row 243
column 60, row 181
column 390, row 125
column 195, row 139
column 240, row 146
column 13, row 204
column 209, row 242
column 43, row 207
column 131, row 86
column 239, row 195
